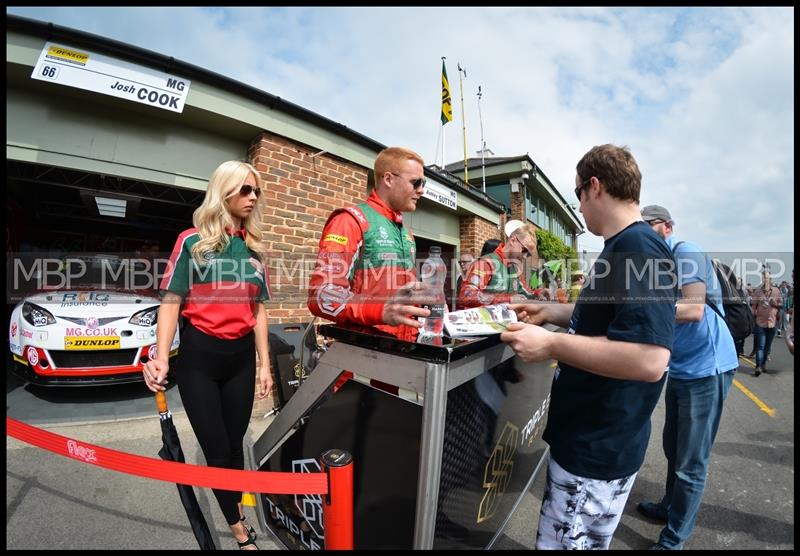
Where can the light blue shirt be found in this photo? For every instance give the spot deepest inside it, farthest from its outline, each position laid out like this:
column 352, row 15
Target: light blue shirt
column 704, row 348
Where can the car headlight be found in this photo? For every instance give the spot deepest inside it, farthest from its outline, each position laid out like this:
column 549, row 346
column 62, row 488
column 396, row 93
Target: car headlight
column 37, row 316
column 146, row 317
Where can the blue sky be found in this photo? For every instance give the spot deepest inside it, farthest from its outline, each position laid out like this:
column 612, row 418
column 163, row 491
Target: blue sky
column 704, row 97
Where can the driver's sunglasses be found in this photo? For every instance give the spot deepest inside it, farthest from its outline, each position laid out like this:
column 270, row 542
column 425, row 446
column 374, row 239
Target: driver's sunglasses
column 525, row 251
column 247, row 189
column 419, row 182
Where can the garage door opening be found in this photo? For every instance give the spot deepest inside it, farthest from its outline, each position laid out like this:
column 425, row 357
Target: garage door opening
column 55, row 209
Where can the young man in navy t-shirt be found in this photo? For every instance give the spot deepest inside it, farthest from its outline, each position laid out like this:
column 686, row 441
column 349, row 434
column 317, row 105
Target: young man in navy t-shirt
column 611, row 363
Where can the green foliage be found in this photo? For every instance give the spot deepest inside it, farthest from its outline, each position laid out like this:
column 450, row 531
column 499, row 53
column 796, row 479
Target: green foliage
column 551, row 248
column 552, row 253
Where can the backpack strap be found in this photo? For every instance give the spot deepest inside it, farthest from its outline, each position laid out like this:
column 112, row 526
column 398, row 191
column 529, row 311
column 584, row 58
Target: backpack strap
column 708, row 299
column 718, row 271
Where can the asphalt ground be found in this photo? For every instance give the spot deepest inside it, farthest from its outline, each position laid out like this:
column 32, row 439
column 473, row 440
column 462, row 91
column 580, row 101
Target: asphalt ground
column 54, row 502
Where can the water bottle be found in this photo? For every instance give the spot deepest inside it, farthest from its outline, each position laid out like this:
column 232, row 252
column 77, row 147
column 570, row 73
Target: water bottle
column 433, row 275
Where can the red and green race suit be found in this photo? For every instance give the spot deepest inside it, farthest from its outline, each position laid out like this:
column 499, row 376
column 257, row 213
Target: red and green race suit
column 492, row 279
column 365, row 256
column 220, row 296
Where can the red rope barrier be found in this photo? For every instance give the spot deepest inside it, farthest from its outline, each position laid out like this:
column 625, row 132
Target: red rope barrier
column 273, row 482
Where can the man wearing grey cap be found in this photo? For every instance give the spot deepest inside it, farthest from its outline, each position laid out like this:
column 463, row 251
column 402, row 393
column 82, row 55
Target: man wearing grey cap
column 701, row 370
column 655, row 214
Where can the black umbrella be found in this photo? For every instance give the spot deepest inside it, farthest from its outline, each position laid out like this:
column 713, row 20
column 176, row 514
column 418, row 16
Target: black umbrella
column 171, row 451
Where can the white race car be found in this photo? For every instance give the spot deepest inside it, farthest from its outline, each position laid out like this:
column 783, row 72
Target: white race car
column 84, row 335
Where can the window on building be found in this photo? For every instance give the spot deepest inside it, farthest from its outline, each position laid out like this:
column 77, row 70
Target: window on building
column 533, row 212
column 545, row 216
column 500, row 193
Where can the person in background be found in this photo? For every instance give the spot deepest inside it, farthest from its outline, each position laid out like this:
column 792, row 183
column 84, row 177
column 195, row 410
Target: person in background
column 499, row 276
column 542, row 292
column 766, row 300
column 578, row 280
column 784, row 289
column 561, row 294
column 739, row 343
column 465, row 259
column 749, row 291
column 790, row 298
column 543, row 280
column 789, row 306
column 358, row 242
column 701, row 372
column 225, row 325
column 610, row 365
column 489, row 246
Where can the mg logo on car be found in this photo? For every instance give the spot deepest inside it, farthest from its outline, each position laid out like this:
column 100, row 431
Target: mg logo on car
column 33, row 356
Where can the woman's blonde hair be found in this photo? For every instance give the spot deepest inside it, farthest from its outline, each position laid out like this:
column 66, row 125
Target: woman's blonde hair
column 213, row 217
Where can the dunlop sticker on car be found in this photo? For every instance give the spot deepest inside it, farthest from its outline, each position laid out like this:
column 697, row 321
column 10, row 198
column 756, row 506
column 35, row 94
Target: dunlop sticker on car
column 96, row 342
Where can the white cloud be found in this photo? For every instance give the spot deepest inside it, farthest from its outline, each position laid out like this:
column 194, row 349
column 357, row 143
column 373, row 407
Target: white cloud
column 704, row 97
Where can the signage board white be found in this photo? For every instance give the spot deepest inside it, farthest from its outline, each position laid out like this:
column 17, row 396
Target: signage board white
column 441, row 194
column 81, row 69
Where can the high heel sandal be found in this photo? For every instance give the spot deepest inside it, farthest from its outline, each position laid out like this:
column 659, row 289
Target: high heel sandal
column 249, row 528
column 245, row 543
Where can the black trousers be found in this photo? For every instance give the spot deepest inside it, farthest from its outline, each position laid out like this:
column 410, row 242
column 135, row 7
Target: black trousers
column 216, row 380
column 739, row 346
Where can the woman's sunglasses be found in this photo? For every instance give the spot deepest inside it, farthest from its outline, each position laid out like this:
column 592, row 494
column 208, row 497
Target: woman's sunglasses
column 248, row 189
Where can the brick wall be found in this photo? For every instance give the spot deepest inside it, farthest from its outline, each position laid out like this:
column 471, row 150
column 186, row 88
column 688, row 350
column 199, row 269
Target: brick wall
column 300, row 191
column 474, row 231
column 518, row 205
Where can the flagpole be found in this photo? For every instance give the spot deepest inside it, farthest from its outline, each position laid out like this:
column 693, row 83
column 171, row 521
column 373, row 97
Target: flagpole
column 463, row 120
column 443, row 149
column 438, row 141
column 483, row 143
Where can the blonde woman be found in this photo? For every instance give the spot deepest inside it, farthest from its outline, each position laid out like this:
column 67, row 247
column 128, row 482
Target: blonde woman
column 217, row 280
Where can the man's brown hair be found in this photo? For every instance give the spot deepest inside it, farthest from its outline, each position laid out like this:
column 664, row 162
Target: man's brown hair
column 616, row 168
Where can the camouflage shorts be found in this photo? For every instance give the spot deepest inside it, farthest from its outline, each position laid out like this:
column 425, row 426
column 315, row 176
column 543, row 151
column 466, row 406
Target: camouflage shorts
column 579, row 513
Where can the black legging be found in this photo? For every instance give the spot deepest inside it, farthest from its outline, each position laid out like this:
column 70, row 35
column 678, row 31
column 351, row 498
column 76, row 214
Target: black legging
column 216, row 380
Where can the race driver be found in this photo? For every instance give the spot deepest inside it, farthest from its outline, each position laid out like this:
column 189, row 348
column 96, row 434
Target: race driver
column 497, row 277
column 365, row 272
